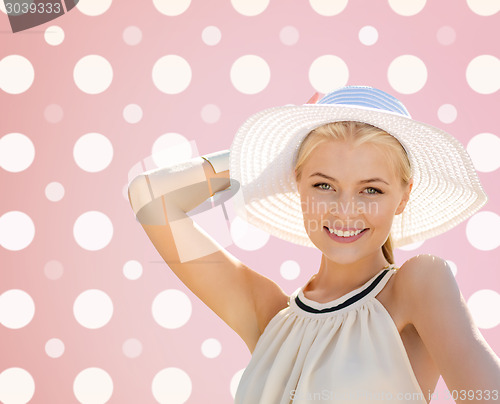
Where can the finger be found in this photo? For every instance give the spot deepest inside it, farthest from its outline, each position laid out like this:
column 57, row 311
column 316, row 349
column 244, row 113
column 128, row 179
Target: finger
column 314, row 99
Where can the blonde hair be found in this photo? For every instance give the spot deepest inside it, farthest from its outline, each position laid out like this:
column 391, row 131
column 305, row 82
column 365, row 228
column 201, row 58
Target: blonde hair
column 358, row 133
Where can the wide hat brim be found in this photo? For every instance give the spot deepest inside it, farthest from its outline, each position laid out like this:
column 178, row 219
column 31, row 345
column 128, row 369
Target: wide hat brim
column 446, row 189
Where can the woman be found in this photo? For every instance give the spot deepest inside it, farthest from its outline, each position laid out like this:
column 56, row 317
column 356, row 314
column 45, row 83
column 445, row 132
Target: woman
column 349, row 175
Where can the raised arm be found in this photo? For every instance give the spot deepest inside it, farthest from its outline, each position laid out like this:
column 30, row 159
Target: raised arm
column 161, row 198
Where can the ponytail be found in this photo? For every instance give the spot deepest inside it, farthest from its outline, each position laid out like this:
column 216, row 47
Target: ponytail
column 387, row 250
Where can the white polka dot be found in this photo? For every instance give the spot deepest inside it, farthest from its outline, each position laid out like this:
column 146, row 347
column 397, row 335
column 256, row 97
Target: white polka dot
column 484, row 150
column 447, row 113
column 250, row 74
column 327, row 73
column 482, row 231
column 132, row 35
column 54, row 35
column 93, row 7
column 132, row 270
column 93, row 230
column 368, row 35
column 211, row 35
column 93, row 152
column 412, row 246
column 171, row 74
column 446, row 35
column 171, row 308
column 250, row 8
column 171, row 148
column 16, row 74
column 211, row 348
column 453, row 267
column 407, row 7
column 172, row 7
column 53, row 113
column 93, row 309
column 53, row 270
column 290, row 270
column 54, row 191
column 92, row 74
column 289, row 35
column 483, row 306
column 484, row 7
column 172, row 386
column 132, row 113
column 93, row 386
column 17, row 152
column 16, row 309
column 132, row 348
column 54, row 348
column 210, row 113
column 483, row 74
column 16, row 386
column 407, row 74
column 246, row 236
column 17, row 230
column 235, row 381
column 328, row 8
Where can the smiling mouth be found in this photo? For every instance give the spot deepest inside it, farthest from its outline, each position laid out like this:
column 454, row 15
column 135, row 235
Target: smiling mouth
column 345, row 233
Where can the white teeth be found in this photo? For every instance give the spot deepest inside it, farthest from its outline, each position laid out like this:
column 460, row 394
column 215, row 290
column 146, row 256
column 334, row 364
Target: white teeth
column 341, row 233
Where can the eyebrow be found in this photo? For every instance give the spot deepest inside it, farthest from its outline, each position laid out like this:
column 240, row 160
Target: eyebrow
column 377, row 179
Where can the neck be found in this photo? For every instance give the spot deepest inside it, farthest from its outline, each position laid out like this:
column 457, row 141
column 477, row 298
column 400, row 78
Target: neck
column 338, row 278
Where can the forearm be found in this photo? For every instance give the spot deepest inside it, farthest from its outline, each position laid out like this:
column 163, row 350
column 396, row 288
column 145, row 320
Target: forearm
column 177, row 188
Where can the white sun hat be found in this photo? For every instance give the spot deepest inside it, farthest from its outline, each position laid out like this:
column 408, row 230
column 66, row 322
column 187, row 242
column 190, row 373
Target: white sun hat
column 446, row 189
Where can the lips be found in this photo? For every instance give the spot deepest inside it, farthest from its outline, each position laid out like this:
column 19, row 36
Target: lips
column 353, row 235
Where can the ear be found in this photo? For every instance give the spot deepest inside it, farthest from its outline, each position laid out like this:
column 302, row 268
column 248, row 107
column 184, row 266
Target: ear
column 406, row 197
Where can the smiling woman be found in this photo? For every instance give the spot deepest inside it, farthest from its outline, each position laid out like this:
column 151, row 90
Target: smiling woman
column 330, row 144
column 348, row 176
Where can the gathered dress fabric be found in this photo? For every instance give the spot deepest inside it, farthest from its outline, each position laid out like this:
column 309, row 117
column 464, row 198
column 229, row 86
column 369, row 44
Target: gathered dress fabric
column 345, row 351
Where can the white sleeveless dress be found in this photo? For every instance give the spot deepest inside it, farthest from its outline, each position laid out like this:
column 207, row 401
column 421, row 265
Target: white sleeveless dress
column 345, row 351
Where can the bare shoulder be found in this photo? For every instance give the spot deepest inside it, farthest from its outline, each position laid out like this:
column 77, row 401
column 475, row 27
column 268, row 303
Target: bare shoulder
column 423, row 281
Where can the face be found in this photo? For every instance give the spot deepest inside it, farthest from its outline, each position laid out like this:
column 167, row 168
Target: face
column 350, row 189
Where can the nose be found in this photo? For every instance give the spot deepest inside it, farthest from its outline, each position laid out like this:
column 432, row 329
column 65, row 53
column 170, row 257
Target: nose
column 344, row 206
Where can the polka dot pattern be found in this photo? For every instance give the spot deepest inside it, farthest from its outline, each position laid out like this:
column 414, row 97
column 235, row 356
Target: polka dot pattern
column 93, row 309
column 93, row 74
column 17, row 309
column 93, row 386
column 483, row 74
column 93, row 152
column 481, row 304
column 482, row 231
column 327, row 73
column 93, row 230
column 16, row 386
column 484, row 150
column 172, row 385
column 17, row 152
column 171, row 74
column 162, row 309
column 16, row 74
column 17, row 230
column 407, row 74
column 250, row 74
column 86, row 110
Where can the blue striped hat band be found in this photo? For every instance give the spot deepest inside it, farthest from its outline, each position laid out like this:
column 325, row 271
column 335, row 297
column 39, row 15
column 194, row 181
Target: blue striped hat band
column 362, row 96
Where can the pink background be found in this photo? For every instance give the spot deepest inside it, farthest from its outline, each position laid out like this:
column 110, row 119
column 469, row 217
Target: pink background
column 54, row 268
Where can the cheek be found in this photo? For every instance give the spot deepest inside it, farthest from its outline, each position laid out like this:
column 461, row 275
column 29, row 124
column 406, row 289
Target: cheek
column 312, row 206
